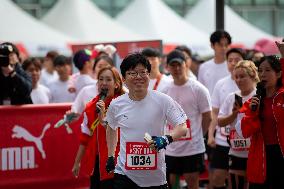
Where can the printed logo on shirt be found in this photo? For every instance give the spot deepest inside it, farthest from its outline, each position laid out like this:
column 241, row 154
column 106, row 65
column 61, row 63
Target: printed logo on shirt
column 123, row 118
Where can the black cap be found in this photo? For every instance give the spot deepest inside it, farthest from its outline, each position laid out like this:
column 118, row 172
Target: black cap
column 12, row 48
column 5, row 50
column 175, row 56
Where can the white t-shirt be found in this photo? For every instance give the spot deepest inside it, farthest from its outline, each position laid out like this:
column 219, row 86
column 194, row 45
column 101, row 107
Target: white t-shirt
column 164, row 81
column 210, row 72
column 85, row 95
column 135, row 118
column 46, row 78
column 239, row 145
column 192, row 75
column 222, row 89
column 82, row 81
column 59, row 92
column 194, row 99
column 40, row 95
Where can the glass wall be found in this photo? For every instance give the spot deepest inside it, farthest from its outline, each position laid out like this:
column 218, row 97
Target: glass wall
column 271, row 11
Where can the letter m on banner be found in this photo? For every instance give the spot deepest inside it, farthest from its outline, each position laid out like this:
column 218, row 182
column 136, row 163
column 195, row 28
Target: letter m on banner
column 17, row 158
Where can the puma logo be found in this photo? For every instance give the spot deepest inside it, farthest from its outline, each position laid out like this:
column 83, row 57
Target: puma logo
column 20, row 132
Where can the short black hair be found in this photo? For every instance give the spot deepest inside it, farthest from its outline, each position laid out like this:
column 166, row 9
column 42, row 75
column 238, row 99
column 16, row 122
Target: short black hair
column 151, row 52
column 236, row 50
column 185, row 49
column 132, row 60
column 32, row 61
column 218, row 35
column 61, row 60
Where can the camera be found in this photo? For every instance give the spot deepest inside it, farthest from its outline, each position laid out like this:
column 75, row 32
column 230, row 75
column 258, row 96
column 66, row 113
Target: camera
column 5, row 50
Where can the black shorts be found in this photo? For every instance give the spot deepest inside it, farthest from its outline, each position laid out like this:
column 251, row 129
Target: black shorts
column 220, row 157
column 185, row 164
column 123, row 182
column 237, row 163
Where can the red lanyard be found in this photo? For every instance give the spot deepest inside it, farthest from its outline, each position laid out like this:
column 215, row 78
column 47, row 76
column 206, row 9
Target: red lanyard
column 157, row 82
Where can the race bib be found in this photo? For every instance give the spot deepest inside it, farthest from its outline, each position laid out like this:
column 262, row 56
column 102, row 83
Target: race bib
column 188, row 133
column 225, row 131
column 238, row 143
column 140, row 157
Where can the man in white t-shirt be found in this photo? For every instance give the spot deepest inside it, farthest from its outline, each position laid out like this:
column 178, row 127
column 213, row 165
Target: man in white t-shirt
column 84, row 61
column 59, row 87
column 188, row 60
column 48, row 72
column 216, row 68
column 157, row 80
column 40, row 93
column 141, row 111
column 186, row 156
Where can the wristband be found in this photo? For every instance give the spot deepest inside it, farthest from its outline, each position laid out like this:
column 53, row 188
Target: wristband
column 169, row 139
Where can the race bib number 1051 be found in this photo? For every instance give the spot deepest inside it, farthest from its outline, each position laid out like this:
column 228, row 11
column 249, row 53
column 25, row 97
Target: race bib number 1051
column 140, row 157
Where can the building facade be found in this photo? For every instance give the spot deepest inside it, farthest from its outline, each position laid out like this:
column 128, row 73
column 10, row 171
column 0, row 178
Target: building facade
column 270, row 21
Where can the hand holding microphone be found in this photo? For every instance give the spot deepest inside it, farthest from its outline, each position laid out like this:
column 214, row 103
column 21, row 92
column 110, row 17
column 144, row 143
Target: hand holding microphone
column 260, row 90
column 102, row 96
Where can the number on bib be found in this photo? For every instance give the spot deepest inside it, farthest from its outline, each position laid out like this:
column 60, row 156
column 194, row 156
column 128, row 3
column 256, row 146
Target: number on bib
column 140, row 157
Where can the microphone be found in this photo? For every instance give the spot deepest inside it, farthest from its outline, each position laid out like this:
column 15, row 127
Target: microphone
column 259, row 92
column 102, row 95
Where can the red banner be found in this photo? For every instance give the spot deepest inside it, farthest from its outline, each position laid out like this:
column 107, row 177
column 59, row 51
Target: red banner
column 34, row 154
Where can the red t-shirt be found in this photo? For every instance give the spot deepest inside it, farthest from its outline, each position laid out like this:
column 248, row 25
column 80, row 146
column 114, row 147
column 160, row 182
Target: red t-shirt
column 268, row 122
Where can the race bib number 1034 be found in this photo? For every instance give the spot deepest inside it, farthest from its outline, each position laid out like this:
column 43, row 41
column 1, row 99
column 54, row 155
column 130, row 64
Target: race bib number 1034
column 140, row 157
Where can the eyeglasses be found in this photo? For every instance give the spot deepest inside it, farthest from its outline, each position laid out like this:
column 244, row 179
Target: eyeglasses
column 135, row 74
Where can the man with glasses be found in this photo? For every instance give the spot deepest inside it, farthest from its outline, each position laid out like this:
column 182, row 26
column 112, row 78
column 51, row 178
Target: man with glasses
column 141, row 164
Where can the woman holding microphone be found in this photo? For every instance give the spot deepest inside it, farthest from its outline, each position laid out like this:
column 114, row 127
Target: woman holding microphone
column 93, row 131
column 265, row 126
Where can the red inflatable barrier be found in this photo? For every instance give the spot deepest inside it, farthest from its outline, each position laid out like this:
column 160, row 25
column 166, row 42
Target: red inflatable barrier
column 34, row 154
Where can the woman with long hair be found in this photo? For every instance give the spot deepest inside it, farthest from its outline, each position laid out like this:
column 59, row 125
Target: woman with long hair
column 93, row 132
column 264, row 124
